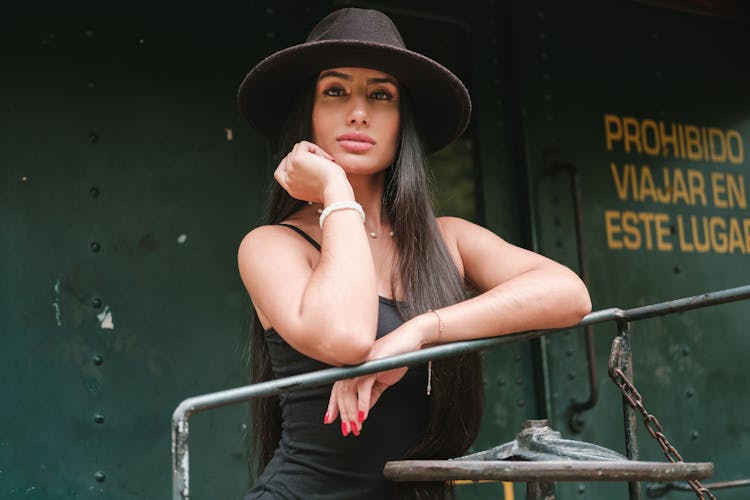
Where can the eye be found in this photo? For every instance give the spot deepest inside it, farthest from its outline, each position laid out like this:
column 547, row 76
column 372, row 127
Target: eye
column 381, row 95
column 334, row 91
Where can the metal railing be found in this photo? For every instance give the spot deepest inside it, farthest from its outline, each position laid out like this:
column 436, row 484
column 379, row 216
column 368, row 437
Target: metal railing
column 181, row 415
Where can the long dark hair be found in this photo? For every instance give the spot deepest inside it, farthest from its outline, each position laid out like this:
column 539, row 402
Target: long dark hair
column 428, row 279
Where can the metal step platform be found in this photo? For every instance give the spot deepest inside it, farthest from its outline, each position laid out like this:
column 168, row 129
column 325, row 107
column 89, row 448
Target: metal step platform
column 539, row 456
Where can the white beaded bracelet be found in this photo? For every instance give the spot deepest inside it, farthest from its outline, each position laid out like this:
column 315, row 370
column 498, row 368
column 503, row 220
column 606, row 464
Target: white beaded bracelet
column 341, row 205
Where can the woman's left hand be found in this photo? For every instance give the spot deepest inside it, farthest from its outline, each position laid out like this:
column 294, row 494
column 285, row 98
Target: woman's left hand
column 351, row 399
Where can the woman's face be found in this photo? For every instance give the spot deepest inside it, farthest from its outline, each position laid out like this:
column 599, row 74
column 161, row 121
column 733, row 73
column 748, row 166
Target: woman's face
column 356, row 118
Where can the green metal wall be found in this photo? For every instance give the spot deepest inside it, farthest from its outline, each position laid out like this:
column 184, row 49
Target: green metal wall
column 128, row 180
column 653, row 64
column 127, row 183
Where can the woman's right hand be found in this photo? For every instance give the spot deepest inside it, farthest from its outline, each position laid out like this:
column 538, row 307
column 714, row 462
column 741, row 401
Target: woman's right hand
column 308, row 171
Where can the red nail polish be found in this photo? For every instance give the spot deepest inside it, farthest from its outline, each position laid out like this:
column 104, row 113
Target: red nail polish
column 361, row 416
column 325, row 418
column 344, row 429
column 355, row 430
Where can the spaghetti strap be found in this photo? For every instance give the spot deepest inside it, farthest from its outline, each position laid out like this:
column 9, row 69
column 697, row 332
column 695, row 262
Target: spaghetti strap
column 303, row 234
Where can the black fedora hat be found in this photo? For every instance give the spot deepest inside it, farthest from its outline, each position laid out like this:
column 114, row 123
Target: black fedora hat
column 357, row 38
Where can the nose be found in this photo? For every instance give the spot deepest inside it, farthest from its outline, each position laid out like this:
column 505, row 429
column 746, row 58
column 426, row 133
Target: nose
column 358, row 114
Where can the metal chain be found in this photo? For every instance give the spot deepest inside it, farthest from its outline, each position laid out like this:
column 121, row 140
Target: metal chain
column 654, row 427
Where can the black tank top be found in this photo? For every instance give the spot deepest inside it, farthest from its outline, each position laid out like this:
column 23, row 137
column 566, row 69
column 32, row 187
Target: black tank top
column 314, row 460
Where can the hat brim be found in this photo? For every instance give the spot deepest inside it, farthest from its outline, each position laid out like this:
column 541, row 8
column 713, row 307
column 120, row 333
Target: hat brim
column 442, row 105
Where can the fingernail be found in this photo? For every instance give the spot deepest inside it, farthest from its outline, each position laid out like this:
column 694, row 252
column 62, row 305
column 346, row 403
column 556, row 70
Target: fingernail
column 355, row 429
column 325, row 418
column 344, row 429
column 361, row 416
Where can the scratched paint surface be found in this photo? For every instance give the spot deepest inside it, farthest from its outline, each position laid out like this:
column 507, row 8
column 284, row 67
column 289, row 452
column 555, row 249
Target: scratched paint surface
column 122, row 201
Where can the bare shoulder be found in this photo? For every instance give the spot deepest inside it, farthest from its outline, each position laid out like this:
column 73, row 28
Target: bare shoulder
column 462, row 231
column 456, row 232
column 486, row 258
column 267, row 241
column 270, row 254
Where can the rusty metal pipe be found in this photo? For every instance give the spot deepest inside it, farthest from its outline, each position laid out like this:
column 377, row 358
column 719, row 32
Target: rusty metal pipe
column 180, row 462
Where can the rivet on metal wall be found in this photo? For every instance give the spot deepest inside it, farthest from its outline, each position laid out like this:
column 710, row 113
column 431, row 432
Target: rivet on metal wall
column 694, row 435
column 96, row 302
column 91, row 84
column 519, row 381
column 581, row 489
column 93, row 138
column 677, row 269
column 89, row 33
column 501, row 382
column 95, row 247
column 269, row 11
column 571, row 376
column 521, row 403
column 99, row 418
column 689, row 392
column 98, row 359
column 569, row 351
column 100, row 476
column 48, row 39
column 94, row 192
column 685, row 350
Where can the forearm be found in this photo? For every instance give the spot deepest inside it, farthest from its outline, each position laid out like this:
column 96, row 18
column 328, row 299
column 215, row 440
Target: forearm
column 546, row 297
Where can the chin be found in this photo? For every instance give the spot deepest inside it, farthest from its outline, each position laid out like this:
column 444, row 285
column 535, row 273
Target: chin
column 361, row 166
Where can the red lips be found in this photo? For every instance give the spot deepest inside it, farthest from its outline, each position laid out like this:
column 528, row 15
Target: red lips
column 356, row 137
column 355, row 142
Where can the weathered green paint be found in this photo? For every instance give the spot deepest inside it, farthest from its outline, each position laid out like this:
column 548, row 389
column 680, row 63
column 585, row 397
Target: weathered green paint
column 643, row 62
column 138, row 104
column 134, row 103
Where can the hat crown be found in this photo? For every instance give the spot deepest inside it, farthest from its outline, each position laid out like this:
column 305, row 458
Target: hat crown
column 362, row 25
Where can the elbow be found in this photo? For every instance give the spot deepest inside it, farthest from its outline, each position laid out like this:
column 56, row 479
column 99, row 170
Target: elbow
column 351, row 351
column 355, row 354
column 351, row 345
column 580, row 302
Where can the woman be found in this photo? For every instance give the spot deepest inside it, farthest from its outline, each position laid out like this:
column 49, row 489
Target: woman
column 354, row 266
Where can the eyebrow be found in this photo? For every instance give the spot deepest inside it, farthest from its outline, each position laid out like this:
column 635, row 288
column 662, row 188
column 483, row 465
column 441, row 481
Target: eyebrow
column 344, row 76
